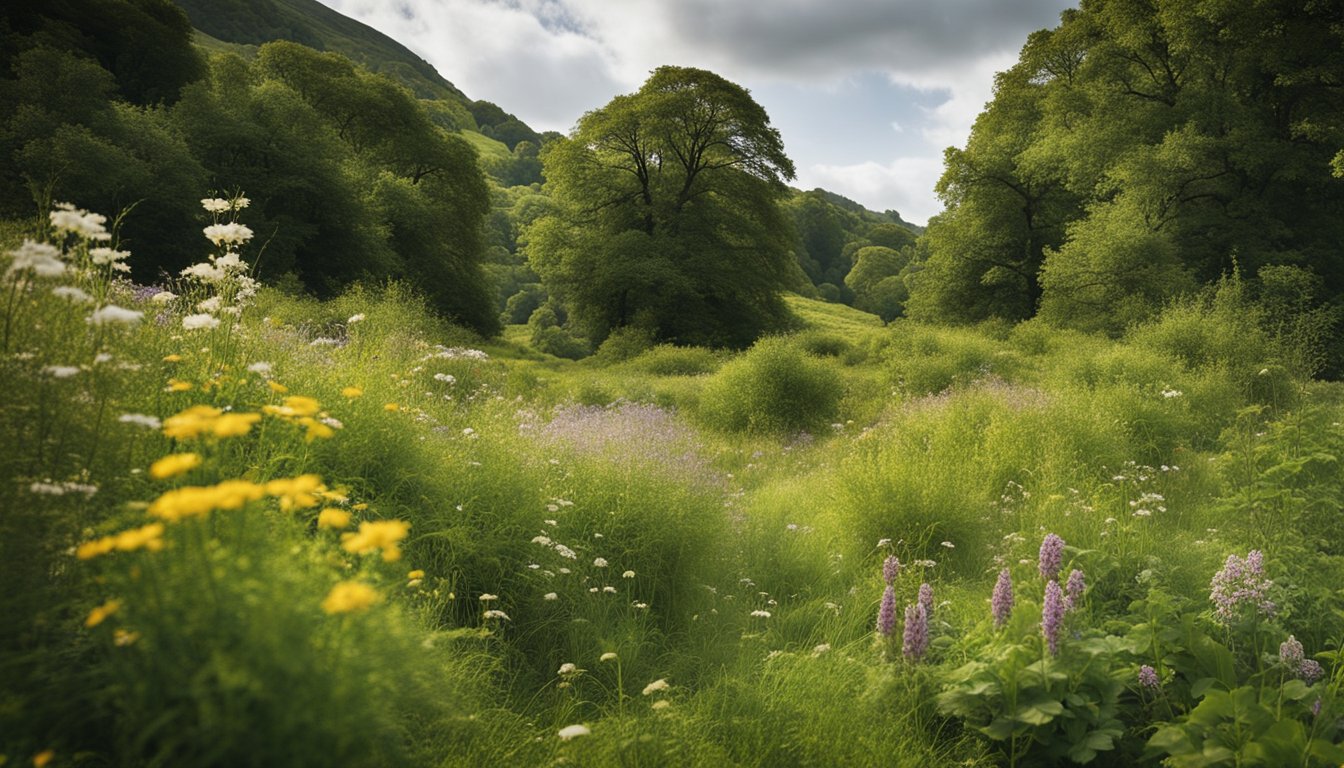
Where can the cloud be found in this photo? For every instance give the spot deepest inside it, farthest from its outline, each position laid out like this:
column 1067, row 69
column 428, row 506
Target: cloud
column 904, row 184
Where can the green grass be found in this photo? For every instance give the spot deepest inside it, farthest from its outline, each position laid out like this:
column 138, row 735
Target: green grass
column 717, row 521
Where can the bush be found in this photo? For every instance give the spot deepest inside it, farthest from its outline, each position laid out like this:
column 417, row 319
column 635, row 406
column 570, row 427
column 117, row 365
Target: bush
column 772, row 388
column 928, row 361
column 669, row 360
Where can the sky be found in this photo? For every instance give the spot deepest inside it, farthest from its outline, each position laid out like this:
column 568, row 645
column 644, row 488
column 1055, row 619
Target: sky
column 866, row 93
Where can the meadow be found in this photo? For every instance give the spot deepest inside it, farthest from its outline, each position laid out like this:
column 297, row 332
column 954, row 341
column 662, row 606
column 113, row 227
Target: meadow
column 245, row 527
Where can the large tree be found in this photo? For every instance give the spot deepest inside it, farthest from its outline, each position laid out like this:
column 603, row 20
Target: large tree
column 668, row 214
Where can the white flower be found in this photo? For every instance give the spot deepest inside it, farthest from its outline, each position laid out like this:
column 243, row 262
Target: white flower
column 240, row 203
column 446, row 378
column 563, row 551
column 820, row 649
column 196, row 322
column 550, row 522
column 496, row 615
column 949, row 545
column 102, row 357
column 545, row 541
column 231, row 233
column 42, row 259
column 657, row 685
column 550, row 596
column 573, row 732
column 103, row 256
column 112, row 314
column 660, row 705
column 210, row 305
column 215, row 205
column 608, row 656
column 759, row 614
column 203, row 271
column 355, row 318
column 640, row 606
column 600, row 562
column 60, row 371
column 261, row 366
column 67, row 219
column 71, row 293
column 628, row 575
column 487, row 597
column 163, row 297
column 1170, row 393
column 140, row 419
column 568, row 668
column 609, row 590
column 230, row 262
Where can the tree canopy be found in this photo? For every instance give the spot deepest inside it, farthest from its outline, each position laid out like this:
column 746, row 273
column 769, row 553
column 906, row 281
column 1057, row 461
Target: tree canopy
column 667, row 213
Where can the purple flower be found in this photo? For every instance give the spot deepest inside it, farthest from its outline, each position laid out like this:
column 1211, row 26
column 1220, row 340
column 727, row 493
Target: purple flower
column 891, row 568
column 926, row 599
column 1290, row 653
column 1052, row 615
column 1316, row 708
column 1073, row 589
column 916, row 639
column 1310, row 671
column 1148, row 678
column 1052, row 556
column 1001, row 606
column 1241, row 583
column 886, row 614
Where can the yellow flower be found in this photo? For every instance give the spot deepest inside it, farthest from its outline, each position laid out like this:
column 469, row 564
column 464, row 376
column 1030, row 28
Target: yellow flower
column 361, row 506
column 101, row 613
column 177, row 385
column 173, row 358
column 148, row 537
column 277, row 387
column 174, row 465
column 315, row 429
column 377, row 534
column 197, row 501
column 333, row 518
column 121, row 637
column 302, row 406
column 416, row 574
column 351, row 392
column 296, row 492
column 191, row 422
column 391, row 407
column 349, row 596
column 234, row 424
column 41, row 759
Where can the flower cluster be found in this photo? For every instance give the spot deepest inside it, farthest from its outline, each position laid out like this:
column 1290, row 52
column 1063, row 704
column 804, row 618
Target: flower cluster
column 1001, row 604
column 1052, row 615
column 1051, row 556
column 1239, row 584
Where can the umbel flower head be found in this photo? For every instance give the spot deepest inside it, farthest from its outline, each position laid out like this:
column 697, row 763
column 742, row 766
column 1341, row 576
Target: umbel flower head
column 1001, row 605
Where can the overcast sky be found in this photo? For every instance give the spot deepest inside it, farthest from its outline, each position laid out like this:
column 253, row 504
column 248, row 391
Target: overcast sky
column 867, row 93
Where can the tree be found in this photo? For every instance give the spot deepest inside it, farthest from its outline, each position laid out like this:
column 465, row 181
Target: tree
column 668, row 208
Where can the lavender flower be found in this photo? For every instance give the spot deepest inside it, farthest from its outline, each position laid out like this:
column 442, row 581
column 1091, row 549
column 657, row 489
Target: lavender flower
column 891, row 568
column 1148, row 678
column 886, row 614
column 1310, row 671
column 926, row 599
column 1316, row 708
column 1240, row 583
column 1052, row 555
column 1052, row 615
column 1073, row 589
column 1290, row 653
column 1001, row 606
column 916, row 639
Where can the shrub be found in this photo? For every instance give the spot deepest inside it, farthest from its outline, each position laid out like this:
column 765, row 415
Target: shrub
column 669, row 360
column 773, row 388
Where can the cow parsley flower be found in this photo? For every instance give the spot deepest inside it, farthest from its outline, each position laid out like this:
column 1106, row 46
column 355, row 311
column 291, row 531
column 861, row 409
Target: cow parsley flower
column 114, row 315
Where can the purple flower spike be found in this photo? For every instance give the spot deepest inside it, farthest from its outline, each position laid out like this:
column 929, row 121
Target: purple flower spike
column 1052, row 556
column 916, row 639
column 891, row 568
column 886, row 614
column 1001, row 606
column 1316, row 708
column 926, row 600
column 1052, row 615
column 1148, row 678
column 1290, row 653
column 1310, row 671
column 1073, row 589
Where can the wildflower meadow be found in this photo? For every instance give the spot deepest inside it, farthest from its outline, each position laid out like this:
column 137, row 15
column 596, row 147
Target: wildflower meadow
column 244, row 527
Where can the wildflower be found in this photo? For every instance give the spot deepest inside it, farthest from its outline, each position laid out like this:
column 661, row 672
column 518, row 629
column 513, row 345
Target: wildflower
column 197, row 322
column 302, row 492
column 351, row 392
column 177, row 385
column 599, row 562
column 1310, row 671
column 148, row 537
column 487, row 597
column 391, row 407
column 550, row 596
column 71, row 293
column 277, row 387
column 60, row 371
column 1052, row 615
column 1290, row 652
column 1238, row 584
column 174, row 465
column 231, row 233
column 163, row 297
column 215, row 205
column 608, row 656
column 759, row 614
column 382, row 535
column 122, row 638
column 114, row 315
column 496, row 615
column 628, row 575
column 656, row 686
column 926, row 599
column 1073, row 589
column 41, row 759
column 446, row 378
column 821, row 649
column 640, row 606
column 886, row 612
column 1001, row 605
column 1051, row 556
column 173, row 358
column 110, row 256
column 331, row 517
column 891, row 568
column 260, row 367
column 915, row 641
column 1148, row 677
column 573, row 732
column 204, row 271
column 1316, row 707
column 69, row 220
column 234, row 424
column 349, row 596
column 140, row 420
column 197, row 501
column 660, row 705
column 42, row 259
column 563, row 551
column 101, row 613
column 359, row 317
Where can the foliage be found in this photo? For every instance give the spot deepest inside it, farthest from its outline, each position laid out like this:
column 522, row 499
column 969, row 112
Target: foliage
column 773, row 388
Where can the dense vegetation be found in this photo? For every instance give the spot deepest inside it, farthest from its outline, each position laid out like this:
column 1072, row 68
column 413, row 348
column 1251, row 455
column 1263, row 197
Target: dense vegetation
column 288, row 494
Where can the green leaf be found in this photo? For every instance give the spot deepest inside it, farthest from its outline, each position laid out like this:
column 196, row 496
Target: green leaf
column 1000, row 729
column 1296, row 690
column 1039, row 712
column 1171, row 739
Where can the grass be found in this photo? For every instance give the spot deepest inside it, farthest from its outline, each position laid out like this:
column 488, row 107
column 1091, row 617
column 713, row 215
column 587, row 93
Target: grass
column 717, row 522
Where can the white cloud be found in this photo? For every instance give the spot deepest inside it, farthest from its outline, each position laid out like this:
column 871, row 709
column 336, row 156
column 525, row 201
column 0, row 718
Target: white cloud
column 904, row 184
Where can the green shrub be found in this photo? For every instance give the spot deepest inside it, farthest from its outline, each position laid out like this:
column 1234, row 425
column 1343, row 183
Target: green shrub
column 669, row 360
column 927, row 361
column 772, row 388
